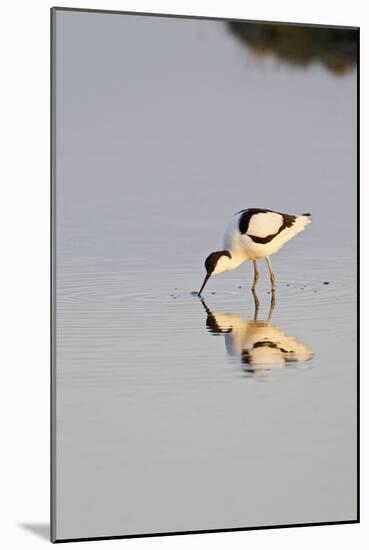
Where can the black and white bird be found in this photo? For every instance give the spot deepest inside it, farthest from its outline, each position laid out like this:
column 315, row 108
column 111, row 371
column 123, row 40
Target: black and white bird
column 253, row 234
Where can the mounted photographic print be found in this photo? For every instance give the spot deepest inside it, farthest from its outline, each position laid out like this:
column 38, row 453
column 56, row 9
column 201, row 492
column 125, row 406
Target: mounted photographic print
column 204, row 274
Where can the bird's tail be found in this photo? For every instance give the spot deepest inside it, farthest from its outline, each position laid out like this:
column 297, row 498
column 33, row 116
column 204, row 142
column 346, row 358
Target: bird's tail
column 303, row 220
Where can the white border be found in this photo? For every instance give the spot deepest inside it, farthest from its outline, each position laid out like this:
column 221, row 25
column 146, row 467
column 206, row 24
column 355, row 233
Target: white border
column 24, row 36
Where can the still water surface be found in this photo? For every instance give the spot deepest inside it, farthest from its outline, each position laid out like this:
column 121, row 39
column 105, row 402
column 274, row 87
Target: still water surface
column 169, row 418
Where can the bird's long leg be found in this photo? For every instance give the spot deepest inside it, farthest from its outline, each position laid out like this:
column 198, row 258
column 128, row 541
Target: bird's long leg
column 272, row 275
column 272, row 306
column 257, row 304
column 256, row 275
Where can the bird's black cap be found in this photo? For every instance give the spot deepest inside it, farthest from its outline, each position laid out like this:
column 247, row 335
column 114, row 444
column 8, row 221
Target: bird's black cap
column 210, row 264
column 212, row 260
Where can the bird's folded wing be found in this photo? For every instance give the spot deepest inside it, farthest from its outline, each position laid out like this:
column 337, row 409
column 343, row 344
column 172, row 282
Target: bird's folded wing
column 265, row 224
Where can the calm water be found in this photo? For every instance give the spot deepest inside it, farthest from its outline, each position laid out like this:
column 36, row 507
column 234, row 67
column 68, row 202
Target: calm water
column 164, row 421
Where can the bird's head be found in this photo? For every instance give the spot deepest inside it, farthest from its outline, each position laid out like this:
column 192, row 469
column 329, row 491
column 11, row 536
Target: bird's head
column 215, row 263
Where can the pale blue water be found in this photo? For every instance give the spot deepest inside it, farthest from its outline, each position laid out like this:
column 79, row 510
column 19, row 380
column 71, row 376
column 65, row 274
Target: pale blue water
column 158, row 427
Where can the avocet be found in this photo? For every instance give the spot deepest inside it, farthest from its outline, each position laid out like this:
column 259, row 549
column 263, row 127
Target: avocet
column 251, row 235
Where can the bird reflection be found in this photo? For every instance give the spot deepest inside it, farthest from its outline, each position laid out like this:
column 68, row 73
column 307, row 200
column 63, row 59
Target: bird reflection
column 260, row 345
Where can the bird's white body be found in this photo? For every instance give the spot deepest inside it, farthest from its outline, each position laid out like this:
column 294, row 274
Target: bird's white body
column 265, row 234
column 261, row 225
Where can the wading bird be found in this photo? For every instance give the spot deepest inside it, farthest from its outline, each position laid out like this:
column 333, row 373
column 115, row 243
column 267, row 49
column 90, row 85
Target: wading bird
column 254, row 234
